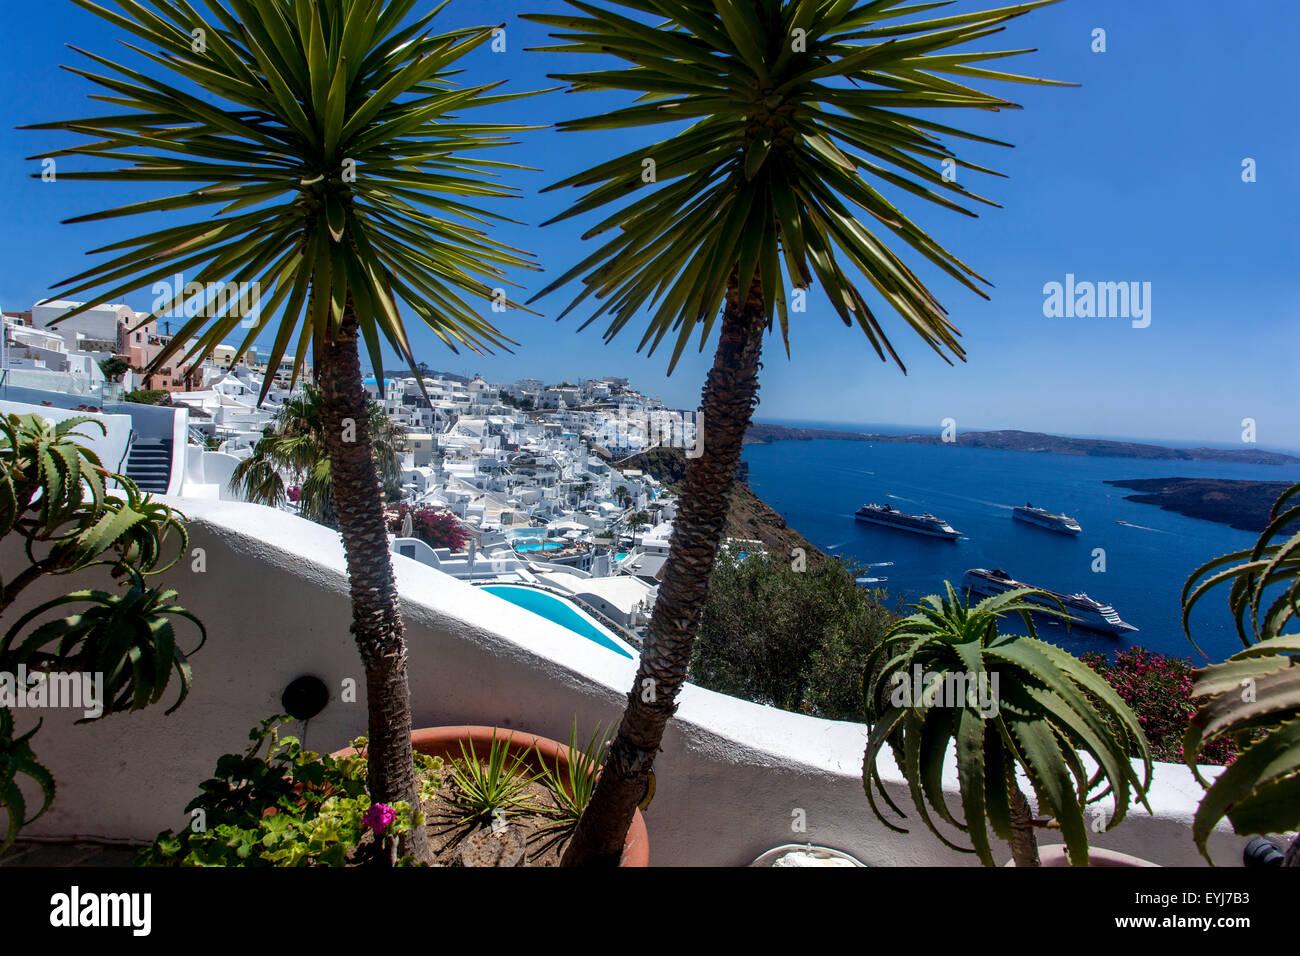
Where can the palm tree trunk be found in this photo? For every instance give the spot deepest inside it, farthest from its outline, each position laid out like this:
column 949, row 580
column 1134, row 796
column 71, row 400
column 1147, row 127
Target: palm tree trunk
column 1024, row 845
column 728, row 400
column 376, row 618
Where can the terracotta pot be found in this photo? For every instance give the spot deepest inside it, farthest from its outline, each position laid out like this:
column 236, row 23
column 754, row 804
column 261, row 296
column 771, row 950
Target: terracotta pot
column 445, row 742
column 1054, row 855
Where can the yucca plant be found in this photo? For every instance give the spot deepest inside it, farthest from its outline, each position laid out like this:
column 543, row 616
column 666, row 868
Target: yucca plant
column 293, row 444
column 773, row 125
column 946, row 677
column 572, row 783
column 324, row 162
column 1254, row 696
column 493, row 787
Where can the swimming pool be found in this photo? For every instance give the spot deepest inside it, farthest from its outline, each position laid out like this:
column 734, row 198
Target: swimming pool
column 559, row 611
column 540, row 546
column 620, row 556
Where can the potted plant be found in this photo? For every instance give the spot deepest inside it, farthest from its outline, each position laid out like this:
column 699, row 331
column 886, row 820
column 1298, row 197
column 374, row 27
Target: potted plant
column 488, row 797
column 1254, row 696
column 946, row 676
column 491, row 769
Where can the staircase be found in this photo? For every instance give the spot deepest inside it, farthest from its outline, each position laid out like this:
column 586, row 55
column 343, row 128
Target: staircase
column 149, row 464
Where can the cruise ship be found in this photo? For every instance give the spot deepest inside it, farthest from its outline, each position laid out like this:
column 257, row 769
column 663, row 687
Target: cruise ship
column 1045, row 519
column 926, row 524
column 1090, row 614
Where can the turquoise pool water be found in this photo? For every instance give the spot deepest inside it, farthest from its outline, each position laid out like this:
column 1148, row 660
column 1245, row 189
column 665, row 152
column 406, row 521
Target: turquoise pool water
column 540, row 546
column 554, row 609
column 620, row 556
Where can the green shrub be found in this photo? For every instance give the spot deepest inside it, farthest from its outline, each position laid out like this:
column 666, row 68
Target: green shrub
column 147, row 396
column 291, row 807
column 797, row 640
column 1159, row 690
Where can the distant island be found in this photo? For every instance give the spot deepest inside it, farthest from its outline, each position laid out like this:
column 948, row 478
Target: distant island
column 1245, row 505
column 1010, row 440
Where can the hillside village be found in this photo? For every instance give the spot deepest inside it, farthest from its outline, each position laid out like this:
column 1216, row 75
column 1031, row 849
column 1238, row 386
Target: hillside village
column 548, row 483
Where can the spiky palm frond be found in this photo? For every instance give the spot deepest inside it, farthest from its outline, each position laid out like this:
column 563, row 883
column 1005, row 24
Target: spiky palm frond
column 793, row 115
column 321, row 146
column 1047, row 707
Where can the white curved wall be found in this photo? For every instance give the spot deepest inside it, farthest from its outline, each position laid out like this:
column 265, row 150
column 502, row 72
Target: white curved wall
column 732, row 778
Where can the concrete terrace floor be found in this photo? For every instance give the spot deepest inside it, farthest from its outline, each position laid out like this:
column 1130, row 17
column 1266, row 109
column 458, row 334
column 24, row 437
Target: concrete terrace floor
column 26, row 853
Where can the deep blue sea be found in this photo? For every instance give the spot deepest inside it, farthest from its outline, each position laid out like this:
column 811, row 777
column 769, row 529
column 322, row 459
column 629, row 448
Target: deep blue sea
column 817, row 485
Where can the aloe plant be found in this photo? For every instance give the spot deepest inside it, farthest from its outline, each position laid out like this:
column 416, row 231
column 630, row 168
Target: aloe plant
column 1006, row 702
column 17, row 759
column 128, row 637
column 70, row 513
column 1253, row 696
column 54, row 494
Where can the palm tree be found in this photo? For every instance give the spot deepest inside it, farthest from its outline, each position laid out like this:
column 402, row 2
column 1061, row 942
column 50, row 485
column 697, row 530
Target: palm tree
column 636, row 522
column 784, row 113
column 294, row 445
column 1015, row 702
column 330, row 139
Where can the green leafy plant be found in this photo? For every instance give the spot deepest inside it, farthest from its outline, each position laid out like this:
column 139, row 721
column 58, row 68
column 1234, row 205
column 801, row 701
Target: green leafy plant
column 114, row 368
column 17, row 759
column 287, row 807
column 1006, row 702
column 494, row 787
column 1158, row 688
column 1252, row 698
column 787, row 638
column 70, row 514
column 129, row 638
column 148, row 396
column 772, row 127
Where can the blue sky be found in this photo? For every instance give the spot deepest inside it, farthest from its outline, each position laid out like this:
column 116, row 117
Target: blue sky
column 1133, row 177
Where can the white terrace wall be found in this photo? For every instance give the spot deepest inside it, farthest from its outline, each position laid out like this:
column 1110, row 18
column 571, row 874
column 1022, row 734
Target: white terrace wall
column 733, row 779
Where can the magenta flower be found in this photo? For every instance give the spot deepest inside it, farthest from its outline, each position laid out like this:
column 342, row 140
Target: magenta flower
column 378, row 818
